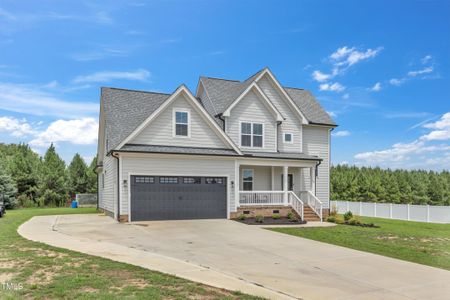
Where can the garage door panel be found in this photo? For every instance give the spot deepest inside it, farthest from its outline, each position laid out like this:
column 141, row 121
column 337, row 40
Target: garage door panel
column 153, row 200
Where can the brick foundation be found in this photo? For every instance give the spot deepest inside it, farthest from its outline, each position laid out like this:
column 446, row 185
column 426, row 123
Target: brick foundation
column 265, row 211
column 123, row 218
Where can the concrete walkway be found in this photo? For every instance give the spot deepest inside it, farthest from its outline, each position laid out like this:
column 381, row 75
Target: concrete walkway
column 250, row 259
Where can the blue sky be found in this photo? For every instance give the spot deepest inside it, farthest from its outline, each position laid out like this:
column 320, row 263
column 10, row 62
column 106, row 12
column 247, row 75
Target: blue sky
column 379, row 67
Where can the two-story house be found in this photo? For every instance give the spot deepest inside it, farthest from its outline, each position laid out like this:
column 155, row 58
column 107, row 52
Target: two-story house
column 252, row 146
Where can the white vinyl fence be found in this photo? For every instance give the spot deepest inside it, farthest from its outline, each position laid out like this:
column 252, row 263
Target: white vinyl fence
column 408, row 212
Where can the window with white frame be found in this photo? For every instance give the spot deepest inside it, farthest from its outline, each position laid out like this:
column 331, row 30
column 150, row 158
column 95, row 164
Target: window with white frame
column 252, row 134
column 247, row 179
column 288, row 138
column 181, row 123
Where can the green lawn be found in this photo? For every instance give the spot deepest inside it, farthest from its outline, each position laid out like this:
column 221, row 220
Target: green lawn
column 423, row 243
column 47, row 272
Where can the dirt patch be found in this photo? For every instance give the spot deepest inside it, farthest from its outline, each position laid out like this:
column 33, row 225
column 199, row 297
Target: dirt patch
column 89, row 290
column 6, row 277
column 43, row 276
column 44, row 252
column 389, row 237
column 76, row 263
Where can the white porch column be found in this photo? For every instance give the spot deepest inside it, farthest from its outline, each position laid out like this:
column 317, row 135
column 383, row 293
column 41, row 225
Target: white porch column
column 237, row 181
column 272, row 184
column 285, row 184
column 312, row 180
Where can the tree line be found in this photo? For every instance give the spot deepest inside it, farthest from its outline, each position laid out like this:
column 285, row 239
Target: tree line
column 29, row 180
column 351, row 183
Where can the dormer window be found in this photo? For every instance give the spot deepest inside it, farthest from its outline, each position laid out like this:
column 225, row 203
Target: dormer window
column 181, row 118
column 252, row 134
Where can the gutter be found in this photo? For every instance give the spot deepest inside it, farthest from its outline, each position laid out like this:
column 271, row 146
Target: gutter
column 118, row 185
column 223, row 120
column 278, row 142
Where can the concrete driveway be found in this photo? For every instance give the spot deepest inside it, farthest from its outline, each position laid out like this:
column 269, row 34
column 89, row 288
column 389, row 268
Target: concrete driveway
column 251, row 259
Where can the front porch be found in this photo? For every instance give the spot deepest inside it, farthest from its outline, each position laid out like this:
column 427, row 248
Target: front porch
column 273, row 189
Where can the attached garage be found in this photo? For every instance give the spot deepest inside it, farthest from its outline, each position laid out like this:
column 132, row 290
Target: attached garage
column 177, row 197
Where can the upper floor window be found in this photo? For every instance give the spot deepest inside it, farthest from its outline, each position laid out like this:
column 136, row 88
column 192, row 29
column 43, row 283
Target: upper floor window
column 181, row 123
column 252, row 134
column 288, row 138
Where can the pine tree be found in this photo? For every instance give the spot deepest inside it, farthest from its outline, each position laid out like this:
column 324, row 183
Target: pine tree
column 7, row 188
column 92, row 176
column 53, row 181
column 78, row 176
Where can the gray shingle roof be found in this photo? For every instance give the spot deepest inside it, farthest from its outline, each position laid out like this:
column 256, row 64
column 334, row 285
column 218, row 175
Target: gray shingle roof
column 309, row 106
column 223, row 92
column 177, row 150
column 125, row 110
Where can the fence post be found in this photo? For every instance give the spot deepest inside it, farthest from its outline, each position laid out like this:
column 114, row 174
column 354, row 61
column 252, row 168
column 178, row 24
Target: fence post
column 390, row 210
column 428, row 213
column 407, row 211
column 360, row 208
column 375, row 209
column 348, row 207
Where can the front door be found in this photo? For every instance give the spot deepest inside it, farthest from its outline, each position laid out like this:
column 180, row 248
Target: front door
column 290, row 182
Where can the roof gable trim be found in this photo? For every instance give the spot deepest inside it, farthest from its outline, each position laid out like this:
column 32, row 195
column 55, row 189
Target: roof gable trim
column 254, row 87
column 181, row 89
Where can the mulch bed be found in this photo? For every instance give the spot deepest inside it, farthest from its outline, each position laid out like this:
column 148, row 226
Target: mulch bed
column 271, row 221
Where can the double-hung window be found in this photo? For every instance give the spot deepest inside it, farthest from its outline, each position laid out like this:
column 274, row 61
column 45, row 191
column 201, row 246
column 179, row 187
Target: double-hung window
column 252, row 134
column 247, row 179
column 181, row 123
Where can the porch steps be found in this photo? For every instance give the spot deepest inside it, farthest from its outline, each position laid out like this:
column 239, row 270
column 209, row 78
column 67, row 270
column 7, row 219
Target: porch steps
column 309, row 214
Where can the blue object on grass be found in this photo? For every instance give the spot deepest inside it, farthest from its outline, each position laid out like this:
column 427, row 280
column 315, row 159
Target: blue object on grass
column 74, row 204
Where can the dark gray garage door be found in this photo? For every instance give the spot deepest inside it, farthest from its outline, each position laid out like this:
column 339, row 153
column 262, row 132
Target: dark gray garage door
column 177, row 198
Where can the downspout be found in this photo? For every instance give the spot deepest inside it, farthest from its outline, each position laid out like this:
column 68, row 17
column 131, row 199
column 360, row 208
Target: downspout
column 278, row 138
column 118, row 186
column 223, row 120
column 316, row 175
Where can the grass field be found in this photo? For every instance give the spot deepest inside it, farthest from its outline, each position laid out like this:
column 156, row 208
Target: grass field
column 46, row 272
column 423, row 243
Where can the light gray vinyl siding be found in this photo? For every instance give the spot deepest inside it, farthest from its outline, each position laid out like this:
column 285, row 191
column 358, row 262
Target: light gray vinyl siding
column 262, row 177
column 160, row 130
column 177, row 165
column 108, row 192
column 292, row 122
column 252, row 109
column 316, row 142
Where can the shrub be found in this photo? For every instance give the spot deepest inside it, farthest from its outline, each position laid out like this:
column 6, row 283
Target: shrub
column 347, row 216
column 275, row 216
column 331, row 219
column 26, row 202
column 241, row 217
column 290, row 215
column 353, row 222
column 259, row 219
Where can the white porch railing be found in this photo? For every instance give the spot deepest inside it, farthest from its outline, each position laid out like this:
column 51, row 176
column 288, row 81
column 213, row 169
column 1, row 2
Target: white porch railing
column 296, row 203
column 261, row 198
column 313, row 202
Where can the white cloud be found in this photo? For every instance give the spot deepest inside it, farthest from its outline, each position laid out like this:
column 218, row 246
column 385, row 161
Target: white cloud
column 344, row 162
column 102, row 53
column 346, row 56
column 15, row 127
column 332, row 114
column 420, row 72
column 79, row 132
column 423, row 152
column 442, row 129
column 396, row 81
column 320, row 77
column 105, row 76
column 341, row 133
column 426, row 59
column 376, row 87
column 406, row 115
column 332, row 87
column 35, row 100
